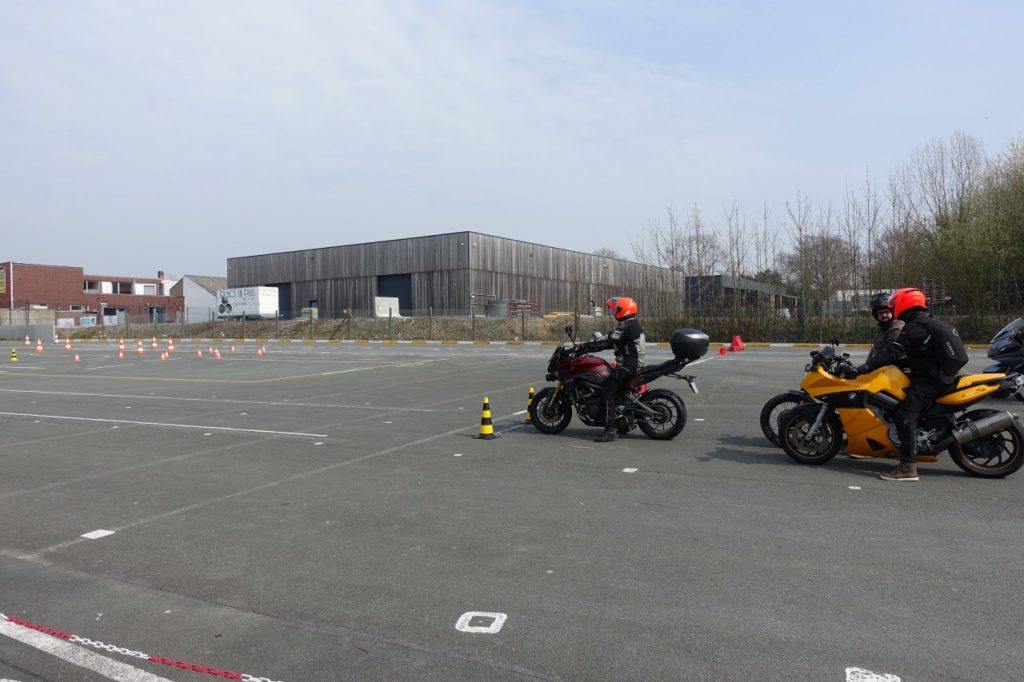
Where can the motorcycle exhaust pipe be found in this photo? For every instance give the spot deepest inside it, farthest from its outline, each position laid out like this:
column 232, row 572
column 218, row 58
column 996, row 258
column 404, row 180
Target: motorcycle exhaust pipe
column 972, row 431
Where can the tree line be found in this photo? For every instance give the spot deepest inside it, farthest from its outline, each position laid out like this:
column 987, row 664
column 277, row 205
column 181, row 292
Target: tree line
column 949, row 220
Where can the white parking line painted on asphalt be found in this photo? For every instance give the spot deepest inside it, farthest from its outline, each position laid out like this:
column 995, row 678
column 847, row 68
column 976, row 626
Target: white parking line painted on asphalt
column 97, row 534
column 497, row 620
column 861, row 675
column 629, row 470
column 168, row 425
column 83, row 658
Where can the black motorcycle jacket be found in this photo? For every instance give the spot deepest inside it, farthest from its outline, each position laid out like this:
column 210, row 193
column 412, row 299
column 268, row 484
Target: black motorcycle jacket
column 629, row 342
column 913, row 349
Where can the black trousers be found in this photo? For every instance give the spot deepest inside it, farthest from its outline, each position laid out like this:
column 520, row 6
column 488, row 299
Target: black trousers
column 922, row 391
column 610, row 389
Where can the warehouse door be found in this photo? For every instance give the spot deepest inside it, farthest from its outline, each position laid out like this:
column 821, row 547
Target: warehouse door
column 396, row 286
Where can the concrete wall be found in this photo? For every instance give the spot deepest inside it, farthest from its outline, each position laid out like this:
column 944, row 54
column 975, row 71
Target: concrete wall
column 32, row 331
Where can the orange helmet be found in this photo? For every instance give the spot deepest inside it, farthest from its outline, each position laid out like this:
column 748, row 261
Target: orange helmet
column 906, row 299
column 623, row 307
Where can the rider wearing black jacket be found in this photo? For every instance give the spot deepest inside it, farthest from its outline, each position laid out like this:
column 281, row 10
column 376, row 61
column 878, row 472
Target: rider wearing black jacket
column 929, row 349
column 630, row 347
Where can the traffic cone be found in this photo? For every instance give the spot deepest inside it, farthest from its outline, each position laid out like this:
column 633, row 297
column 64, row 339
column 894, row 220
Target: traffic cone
column 486, row 428
column 76, row 357
column 199, row 353
column 140, row 350
column 232, row 349
column 529, row 401
column 163, row 356
column 737, row 344
column 259, row 351
column 39, row 345
column 170, row 345
column 120, row 354
column 67, row 344
column 216, row 353
column 27, row 342
column 120, row 345
column 14, row 355
column 721, row 350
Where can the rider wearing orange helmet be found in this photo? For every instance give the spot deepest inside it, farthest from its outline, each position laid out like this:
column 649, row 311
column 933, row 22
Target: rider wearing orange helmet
column 630, row 348
column 932, row 353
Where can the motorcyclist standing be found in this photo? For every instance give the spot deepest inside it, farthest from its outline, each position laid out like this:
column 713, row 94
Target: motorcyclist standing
column 932, row 352
column 888, row 327
column 630, row 347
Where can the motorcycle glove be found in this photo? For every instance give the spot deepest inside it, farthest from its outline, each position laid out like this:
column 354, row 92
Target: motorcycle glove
column 863, row 369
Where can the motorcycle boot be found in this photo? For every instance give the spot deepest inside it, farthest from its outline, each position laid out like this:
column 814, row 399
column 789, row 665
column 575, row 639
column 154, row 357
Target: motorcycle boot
column 902, row 472
column 608, row 435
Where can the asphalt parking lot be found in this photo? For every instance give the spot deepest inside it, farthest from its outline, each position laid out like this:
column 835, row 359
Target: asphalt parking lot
column 324, row 512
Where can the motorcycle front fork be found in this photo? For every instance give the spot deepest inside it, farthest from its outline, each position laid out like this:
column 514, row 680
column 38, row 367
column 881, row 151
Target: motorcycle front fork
column 813, row 431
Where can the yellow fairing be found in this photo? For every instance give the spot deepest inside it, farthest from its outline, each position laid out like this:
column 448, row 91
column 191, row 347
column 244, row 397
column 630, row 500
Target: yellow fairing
column 969, row 394
column 889, row 379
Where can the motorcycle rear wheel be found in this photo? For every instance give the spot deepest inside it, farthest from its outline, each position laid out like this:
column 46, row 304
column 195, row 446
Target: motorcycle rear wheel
column 671, row 414
column 793, row 425
column 994, row 456
column 772, row 410
column 548, row 416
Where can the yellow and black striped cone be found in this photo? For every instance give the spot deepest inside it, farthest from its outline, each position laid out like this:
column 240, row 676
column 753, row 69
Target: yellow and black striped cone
column 14, row 355
column 486, row 428
column 529, row 401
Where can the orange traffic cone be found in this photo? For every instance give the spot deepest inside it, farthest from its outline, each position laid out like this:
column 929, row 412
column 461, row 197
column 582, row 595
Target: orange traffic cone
column 737, row 344
column 155, row 343
column 120, row 345
column 232, row 349
column 721, row 350
column 170, row 345
column 27, row 342
column 120, row 354
column 486, row 427
column 39, row 345
column 163, row 356
column 76, row 357
column 199, row 353
column 140, row 350
column 216, row 353
column 67, row 344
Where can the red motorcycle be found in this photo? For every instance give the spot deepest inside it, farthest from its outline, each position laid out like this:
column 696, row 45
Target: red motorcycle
column 659, row 412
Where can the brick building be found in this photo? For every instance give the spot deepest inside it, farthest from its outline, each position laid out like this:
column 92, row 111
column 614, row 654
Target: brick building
column 67, row 296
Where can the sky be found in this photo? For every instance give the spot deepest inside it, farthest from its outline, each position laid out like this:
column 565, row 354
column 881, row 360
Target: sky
column 138, row 136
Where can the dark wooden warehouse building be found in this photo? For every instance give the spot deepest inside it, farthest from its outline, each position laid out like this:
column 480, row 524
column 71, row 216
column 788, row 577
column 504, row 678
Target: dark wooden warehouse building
column 449, row 273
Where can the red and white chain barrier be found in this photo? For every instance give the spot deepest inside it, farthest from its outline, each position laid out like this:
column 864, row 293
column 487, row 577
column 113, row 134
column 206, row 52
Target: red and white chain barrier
column 228, row 674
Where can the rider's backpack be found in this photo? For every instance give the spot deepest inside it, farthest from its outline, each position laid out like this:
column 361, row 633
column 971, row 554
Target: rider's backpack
column 949, row 351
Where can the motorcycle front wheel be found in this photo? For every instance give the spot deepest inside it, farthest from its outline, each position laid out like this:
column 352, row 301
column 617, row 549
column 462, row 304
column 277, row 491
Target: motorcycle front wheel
column 994, row 456
column 669, row 418
column 772, row 410
column 823, row 446
column 550, row 416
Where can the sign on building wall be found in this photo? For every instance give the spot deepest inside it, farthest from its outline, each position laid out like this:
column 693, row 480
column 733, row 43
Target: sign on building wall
column 3, row 280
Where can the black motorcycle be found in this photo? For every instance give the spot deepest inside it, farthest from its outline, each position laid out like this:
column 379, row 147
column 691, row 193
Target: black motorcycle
column 1007, row 348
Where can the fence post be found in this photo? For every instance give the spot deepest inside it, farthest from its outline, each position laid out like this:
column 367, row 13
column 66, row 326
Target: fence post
column 243, row 325
column 473, row 315
column 523, row 336
column 430, row 323
column 389, row 324
column 311, row 323
column 277, row 323
column 184, row 318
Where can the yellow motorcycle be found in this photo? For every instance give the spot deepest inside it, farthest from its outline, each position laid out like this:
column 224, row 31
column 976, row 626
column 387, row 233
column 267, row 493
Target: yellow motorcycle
column 844, row 408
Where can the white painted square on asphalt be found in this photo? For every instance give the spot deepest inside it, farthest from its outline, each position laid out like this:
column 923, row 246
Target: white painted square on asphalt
column 96, row 534
column 497, row 620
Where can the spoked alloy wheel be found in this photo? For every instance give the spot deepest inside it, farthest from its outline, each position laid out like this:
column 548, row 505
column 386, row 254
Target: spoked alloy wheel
column 772, row 410
column 670, row 418
column 548, row 416
column 823, row 446
column 994, row 456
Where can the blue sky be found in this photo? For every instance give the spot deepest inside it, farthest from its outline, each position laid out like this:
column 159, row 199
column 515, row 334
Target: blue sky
column 137, row 136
